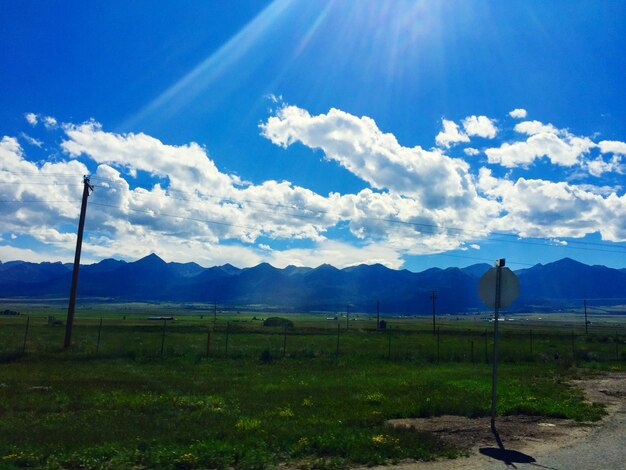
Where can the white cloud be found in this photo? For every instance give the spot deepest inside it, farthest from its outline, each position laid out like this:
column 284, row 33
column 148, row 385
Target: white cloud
column 49, row 122
column 535, row 127
column 31, row 118
column 338, row 254
column 13, row 253
column 471, row 151
column 518, row 113
column 559, row 146
column 612, row 146
column 599, row 166
column 450, row 134
column 413, row 201
column 545, row 209
column 481, row 126
column 31, row 140
column 431, row 178
column 187, row 167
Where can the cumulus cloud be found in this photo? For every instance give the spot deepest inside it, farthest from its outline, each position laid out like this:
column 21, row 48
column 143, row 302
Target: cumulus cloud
column 413, row 201
column 546, row 209
column 612, row 146
column 187, row 166
column 49, row 122
column 559, row 146
column 599, row 166
column 480, row 126
column 31, row 118
column 518, row 113
column 450, row 134
column 357, row 144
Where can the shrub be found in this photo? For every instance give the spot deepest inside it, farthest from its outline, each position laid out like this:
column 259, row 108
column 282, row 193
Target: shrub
column 278, row 321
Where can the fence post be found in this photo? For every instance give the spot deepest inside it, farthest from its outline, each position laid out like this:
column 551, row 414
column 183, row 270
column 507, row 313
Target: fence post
column 285, row 342
column 531, row 342
column 472, row 349
column 208, row 342
column 337, row 347
column 389, row 344
column 227, row 334
column 25, row 335
column 99, row 334
column 616, row 347
column 438, row 336
column 486, row 348
column 163, row 337
column 573, row 346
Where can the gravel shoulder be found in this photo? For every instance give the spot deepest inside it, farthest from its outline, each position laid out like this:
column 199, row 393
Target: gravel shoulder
column 531, row 441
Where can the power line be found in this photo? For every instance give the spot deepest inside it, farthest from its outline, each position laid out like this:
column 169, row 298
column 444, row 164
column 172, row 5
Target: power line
column 39, row 202
column 40, row 173
column 161, row 214
column 379, row 219
column 487, row 260
column 433, row 227
column 215, row 222
column 616, row 249
column 39, row 184
column 611, row 249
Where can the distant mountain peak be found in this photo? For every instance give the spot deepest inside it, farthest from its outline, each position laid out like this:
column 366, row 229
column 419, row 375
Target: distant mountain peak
column 263, row 265
column 565, row 263
column 151, row 259
column 326, row 266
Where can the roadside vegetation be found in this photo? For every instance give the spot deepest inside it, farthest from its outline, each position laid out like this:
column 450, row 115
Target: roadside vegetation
column 156, row 394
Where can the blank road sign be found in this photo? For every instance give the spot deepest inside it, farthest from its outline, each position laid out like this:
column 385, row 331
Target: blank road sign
column 509, row 287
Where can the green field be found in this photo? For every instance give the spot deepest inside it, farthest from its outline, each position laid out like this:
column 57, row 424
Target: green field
column 154, row 394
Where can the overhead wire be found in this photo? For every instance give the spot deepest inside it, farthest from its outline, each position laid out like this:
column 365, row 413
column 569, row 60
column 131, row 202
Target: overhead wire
column 586, row 246
column 611, row 249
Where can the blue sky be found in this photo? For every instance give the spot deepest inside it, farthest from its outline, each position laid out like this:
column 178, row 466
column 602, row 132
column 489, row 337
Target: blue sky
column 414, row 134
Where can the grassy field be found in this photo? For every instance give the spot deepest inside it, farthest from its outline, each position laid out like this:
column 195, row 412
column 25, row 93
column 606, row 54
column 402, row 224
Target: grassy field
column 148, row 394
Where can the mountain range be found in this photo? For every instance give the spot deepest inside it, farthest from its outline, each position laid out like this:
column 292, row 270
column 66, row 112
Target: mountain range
column 563, row 283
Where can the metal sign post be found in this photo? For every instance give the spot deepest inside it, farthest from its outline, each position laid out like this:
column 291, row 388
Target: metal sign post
column 494, row 373
column 498, row 288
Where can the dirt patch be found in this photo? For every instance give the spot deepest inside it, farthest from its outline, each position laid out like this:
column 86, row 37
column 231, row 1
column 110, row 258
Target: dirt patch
column 609, row 389
column 519, row 432
column 530, row 435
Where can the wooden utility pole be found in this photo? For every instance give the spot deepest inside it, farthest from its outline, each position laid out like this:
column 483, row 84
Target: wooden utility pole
column 586, row 322
column 433, row 297
column 377, row 314
column 79, row 242
column 348, row 317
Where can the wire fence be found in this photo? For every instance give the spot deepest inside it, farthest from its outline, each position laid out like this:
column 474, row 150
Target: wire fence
column 249, row 339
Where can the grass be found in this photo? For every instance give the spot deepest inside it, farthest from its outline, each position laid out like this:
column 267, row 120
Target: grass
column 128, row 406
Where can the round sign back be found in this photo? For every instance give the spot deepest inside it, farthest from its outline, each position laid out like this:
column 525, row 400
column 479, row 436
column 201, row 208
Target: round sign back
column 509, row 287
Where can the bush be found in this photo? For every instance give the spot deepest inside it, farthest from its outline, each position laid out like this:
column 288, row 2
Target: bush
column 278, row 321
